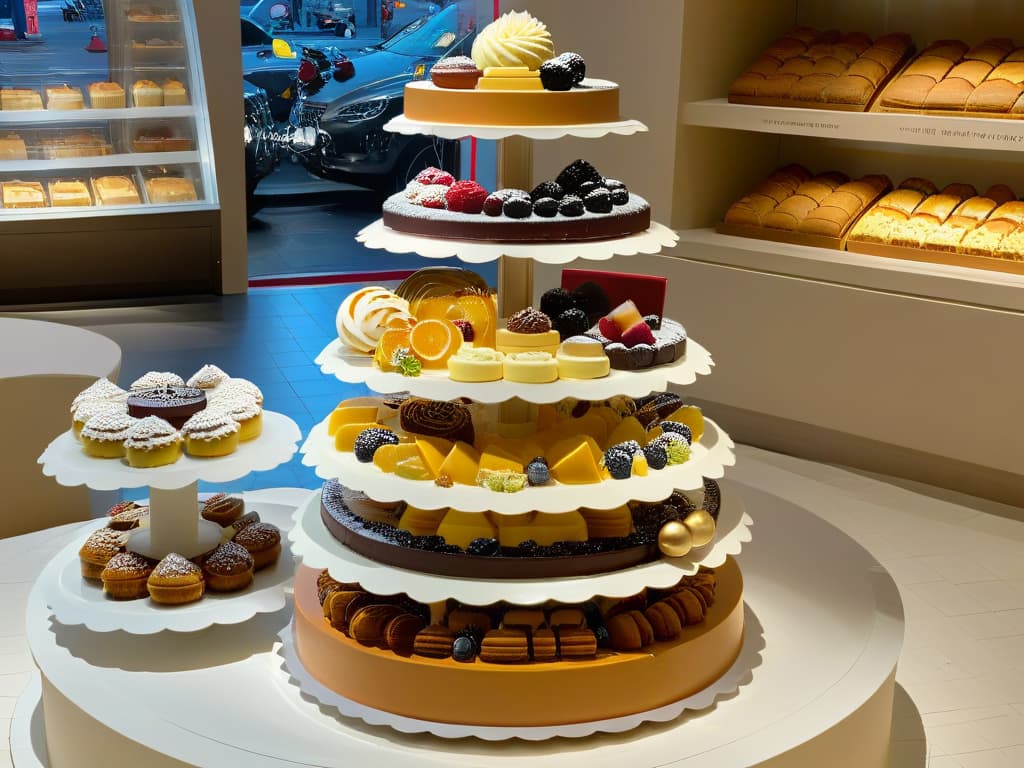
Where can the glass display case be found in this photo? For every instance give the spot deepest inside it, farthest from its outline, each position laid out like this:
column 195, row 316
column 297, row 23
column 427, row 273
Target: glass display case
column 121, row 133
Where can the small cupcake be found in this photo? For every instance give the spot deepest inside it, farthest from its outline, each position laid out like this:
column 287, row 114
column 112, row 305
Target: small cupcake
column 101, row 389
column 89, row 408
column 103, row 436
column 262, row 541
column 125, row 576
column 207, row 377
column 459, row 72
column 245, row 411
column 157, row 380
column 175, row 581
column 238, row 387
column 152, row 442
column 228, row 568
column 210, row 433
column 98, row 549
column 223, row 509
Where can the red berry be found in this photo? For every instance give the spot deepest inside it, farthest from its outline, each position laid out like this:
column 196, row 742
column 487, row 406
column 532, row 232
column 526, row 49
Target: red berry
column 466, row 328
column 609, row 329
column 638, row 333
column 493, row 204
column 435, row 176
column 466, row 197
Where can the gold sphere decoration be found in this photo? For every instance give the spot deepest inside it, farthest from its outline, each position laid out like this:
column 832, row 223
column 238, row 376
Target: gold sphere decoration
column 701, row 526
column 674, row 539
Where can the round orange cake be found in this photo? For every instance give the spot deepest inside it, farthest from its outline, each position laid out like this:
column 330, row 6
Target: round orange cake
column 536, row 694
column 594, row 101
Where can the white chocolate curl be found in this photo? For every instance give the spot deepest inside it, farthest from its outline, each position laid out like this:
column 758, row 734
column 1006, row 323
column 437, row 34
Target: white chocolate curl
column 516, row 39
column 365, row 315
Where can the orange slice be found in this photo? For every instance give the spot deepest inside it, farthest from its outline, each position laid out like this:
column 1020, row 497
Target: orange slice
column 390, row 340
column 433, row 341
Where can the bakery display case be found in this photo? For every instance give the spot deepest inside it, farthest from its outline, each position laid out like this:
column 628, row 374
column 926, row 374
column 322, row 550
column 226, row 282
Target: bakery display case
column 111, row 152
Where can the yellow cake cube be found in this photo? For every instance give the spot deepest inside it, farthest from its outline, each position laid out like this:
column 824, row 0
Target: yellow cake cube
column 460, row 528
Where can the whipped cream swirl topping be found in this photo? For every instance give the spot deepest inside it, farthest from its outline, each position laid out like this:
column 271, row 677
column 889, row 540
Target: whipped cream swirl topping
column 516, row 39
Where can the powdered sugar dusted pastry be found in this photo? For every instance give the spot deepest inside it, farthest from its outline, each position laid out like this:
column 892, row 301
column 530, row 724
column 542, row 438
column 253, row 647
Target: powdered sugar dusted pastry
column 152, row 442
column 98, row 549
column 125, row 575
column 235, row 387
column 228, row 568
column 90, row 408
column 246, row 412
column 222, row 509
column 156, row 379
column 262, row 541
column 175, row 581
column 207, row 377
column 210, row 433
column 101, row 389
column 103, row 435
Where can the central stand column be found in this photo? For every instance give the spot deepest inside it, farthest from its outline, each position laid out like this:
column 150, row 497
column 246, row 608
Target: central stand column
column 175, row 525
column 515, row 276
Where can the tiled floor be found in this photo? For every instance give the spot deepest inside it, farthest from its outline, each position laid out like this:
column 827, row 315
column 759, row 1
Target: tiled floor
column 958, row 561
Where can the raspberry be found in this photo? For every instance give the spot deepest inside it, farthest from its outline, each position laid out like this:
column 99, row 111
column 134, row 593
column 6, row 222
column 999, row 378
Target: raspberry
column 546, row 207
column 369, row 440
column 609, row 329
column 619, row 463
column 572, row 322
column 555, row 301
column 653, row 322
column 571, row 205
column 517, row 207
column 598, row 201
column 547, row 189
column 529, row 320
column 556, row 75
column 465, row 197
column 577, row 66
column 435, row 176
column 577, row 172
column 432, row 196
column 493, row 204
column 466, row 327
column 639, row 333
column 537, row 473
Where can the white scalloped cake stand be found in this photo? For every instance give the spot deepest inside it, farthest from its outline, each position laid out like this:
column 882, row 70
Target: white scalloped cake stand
column 709, row 458
column 402, row 124
column 319, row 549
column 174, row 526
column 74, row 600
column 356, row 368
column 651, row 240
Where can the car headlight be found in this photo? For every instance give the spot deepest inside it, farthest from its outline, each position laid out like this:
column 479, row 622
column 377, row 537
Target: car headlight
column 363, row 110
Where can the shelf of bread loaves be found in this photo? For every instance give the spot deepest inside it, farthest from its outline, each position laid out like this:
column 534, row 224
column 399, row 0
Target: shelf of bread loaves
column 126, row 159
column 49, row 116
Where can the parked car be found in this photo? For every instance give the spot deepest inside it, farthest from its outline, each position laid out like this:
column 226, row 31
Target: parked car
column 260, row 144
column 339, row 129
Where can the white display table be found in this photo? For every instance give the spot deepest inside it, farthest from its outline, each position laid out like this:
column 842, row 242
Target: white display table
column 832, row 626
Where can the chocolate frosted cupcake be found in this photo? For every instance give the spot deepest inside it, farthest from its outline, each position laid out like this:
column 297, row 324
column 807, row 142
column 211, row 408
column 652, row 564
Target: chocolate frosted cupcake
column 436, row 418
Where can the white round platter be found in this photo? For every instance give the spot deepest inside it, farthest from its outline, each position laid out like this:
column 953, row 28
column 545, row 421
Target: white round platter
column 831, row 618
column 356, row 368
column 709, row 458
column 652, row 240
column 402, row 124
column 740, row 673
column 68, row 464
column 74, row 600
column 319, row 549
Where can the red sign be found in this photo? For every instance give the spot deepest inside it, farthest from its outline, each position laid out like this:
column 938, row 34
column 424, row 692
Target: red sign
column 31, row 17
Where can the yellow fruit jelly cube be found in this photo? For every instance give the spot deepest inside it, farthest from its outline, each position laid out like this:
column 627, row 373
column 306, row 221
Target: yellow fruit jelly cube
column 342, row 415
column 591, row 424
column 626, row 315
column 608, row 523
column 543, row 527
column 691, row 416
column 460, row 528
column 497, row 459
column 640, row 465
column 513, row 529
column 386, row 457
column 421, row 522
column 461, row 464
column 345, row 437
column 577, row 467
column 434, row 450
column 628, row 429
column 414, row 468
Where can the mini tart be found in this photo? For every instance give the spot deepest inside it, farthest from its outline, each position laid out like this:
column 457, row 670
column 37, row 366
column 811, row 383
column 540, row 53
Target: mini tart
column 101, row 389
column 530, row 367
column 103, row 436
column 207, row 377
column 228, row 568
column 90, row 408
column 152, row 442
column 247, row 413
column 98, row 549
column 475, row 364
column 175, row 580
column 157, row 379
column 173, row 403
column 125, row 575
column 262, row 541
column 223, row 509
column 210, row 433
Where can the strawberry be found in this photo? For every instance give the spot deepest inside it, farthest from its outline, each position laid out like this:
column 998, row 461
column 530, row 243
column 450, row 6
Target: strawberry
column 435, row 176
column 465, row 197
column 638, row 333
column 609, row 329
column 464, row 325
column 432, row 196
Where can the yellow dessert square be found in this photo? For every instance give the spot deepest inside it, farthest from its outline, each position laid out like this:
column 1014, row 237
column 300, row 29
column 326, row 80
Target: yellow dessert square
column 106, row 96
column 69, row 193
column 19, row 99
column 170, row 189
column 175, row 94
column 115, row 190
column 23, row 194
column 64, row 97
column 13, row 148
column 146, row 93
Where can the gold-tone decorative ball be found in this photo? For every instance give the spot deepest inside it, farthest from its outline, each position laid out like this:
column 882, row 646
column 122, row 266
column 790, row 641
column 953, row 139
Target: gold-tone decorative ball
column 701, row 526
column 674, row 539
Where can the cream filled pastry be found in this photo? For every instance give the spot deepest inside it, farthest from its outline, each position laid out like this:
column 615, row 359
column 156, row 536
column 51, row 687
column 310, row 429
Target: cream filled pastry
column 245, row 411
column 475, row 364
column 152, row 442
column 515, row 39
column 530, row 367
column 157, row 379
column 101, row 389
column 581, row 357
column 210, row 433
column 235, row 388
column 207, row 377
column 90, row 408
column 364, row 316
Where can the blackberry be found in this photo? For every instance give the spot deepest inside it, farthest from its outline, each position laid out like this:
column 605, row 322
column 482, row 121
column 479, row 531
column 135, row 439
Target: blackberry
column 572, row 322
column 527, row 548
column 517, row 207
column 557, row 75
column 450, row 549
column 473, row 632
column 587, row 187
column 555, row 301
column 682, row 502
column 619, row 463
column 539, row 460
column 537, row 473
column 620, row 196
column 603, row 638
column 550, row 189
column 577, row 172
column 484, row 547
column 577, row 66
column 632, row 447
column 402, row 538
column 463, row 648
column 657, row 458
column 653, row 322
column 571, row 205
column 493, row 204
column 597, row 201
column 591, row 298
column 712, row 497
column 677, row 428
column 369, row 440
column 612, row 184
column 429, row 543
column 546, row 207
